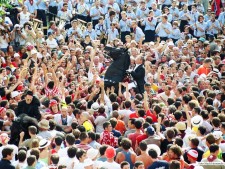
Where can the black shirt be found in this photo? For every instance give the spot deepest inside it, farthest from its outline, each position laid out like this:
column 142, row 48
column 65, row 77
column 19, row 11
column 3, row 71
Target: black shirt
column 164, row 145
column 6, row 164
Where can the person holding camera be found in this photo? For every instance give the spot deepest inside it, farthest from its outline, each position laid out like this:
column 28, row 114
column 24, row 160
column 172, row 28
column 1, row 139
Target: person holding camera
column 17, row 37
column 4, row 39
column 29, row 34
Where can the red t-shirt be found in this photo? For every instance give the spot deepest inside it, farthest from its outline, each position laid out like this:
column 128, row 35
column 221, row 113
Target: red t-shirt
column 140, row 138
column 148, row 114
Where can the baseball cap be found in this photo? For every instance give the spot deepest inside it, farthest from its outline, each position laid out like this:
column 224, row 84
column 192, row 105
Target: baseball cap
column 110, row 152
column 193, row 154
column 150, row 130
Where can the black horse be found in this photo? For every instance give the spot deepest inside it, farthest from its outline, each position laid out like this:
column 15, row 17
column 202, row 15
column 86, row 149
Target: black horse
column 21, row 123
column 117, row 70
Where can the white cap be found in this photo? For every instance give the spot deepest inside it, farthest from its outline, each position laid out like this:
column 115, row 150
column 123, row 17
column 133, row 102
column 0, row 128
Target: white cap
column 170, row 44
column 95, row 106
column 15, row 93
column 33, row 52
column 217, row 134
column 92, row 153
column 171, row 62
column 16, row 55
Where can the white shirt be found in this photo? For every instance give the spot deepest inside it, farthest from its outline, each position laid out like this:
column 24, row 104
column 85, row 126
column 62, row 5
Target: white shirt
column 63, row 152
column 58, row 119
column 68, row 162
column 112, row 165
column 126, row 115
column 52, row 43
column 79, row 165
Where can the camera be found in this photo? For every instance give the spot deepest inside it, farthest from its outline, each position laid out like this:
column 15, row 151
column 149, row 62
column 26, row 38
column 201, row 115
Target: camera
column 29, row 27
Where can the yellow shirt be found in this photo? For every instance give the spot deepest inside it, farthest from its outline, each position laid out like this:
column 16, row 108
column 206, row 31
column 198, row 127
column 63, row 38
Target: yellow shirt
column 155, row 87
column 88, row 126
column 207, row 154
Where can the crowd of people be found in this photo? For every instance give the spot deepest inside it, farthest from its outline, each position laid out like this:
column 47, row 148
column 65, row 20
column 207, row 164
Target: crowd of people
column 63, row 107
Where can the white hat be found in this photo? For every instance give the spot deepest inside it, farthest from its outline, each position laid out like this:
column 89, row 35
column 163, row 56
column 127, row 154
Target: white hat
column 39, row 55
column 44, row 143
column 217, row 134
column 88, row 162
column 154, row 147
column 170, row 44
column 33, row 52
column 95, row 106
column 171, row 62
column 16, row 55
column 198, row 167
column 196, row 121
column 193, row 154
column 92, row 153
column 15, row 93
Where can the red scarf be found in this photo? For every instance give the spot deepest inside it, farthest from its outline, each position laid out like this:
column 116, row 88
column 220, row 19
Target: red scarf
column 211, row 158
column 31, row 2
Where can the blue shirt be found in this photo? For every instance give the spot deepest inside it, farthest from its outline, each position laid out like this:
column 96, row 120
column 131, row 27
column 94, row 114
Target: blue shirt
column 99, row 29
column 125, row 25
column 72, row 30
column 89, row 3
column 95, row 11
column 161, row 32
column 53, row 3
column 149, row 25
column 41, row 5
column 60, row 6
column 174, row 11
column 182, row 15
column 112, row 34
column 221, row 18
column 212, row 30
column 108, row 22
column 206, row 17
column 175, row 34
column 91, row 33
column 149, row 3
column 116, row 133
column 194, row 17
column 160, row 164
column 142, row 13
column 138, row 34
column 167, row 2
column 82, row 9
column 198, row 32
column 131, row 15
column 115, row 7
column 30, row 8
column 157, row 13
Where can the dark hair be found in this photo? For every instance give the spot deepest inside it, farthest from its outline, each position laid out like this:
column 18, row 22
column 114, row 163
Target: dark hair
column 55, row 158
column 127, row 104
column 22, row 155
column 141, row 112
column 122, row 164
column 137, row 163
column 70, row 139
column 92, row 135
column 58, row 140
column 138, row 124
column 113, row 122
column 102, row 149
column 30, row 160
column 6, row 151
column 152, row 153
column 106, row 124
column 126, row 143
column 83, row 136
column 216, row 122
column 32, row 130
column 80, row 153
column 202, row 129
column 177, row 115
column 175, row 164
column 71, row 152
column 170, row 133
column 35, row 152
column 143, row 146
column 213, row 148
column 179, row 142
column 195, row 142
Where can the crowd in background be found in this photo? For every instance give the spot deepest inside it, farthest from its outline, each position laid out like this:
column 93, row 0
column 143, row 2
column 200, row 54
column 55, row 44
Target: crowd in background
column 167, row 113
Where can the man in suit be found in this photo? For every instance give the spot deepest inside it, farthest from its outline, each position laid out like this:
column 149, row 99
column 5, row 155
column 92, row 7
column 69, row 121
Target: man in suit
column 138, row 74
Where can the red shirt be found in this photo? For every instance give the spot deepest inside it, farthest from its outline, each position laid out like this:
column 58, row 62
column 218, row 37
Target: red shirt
column 148, row 114
column 133, row 137
column 140, row 138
